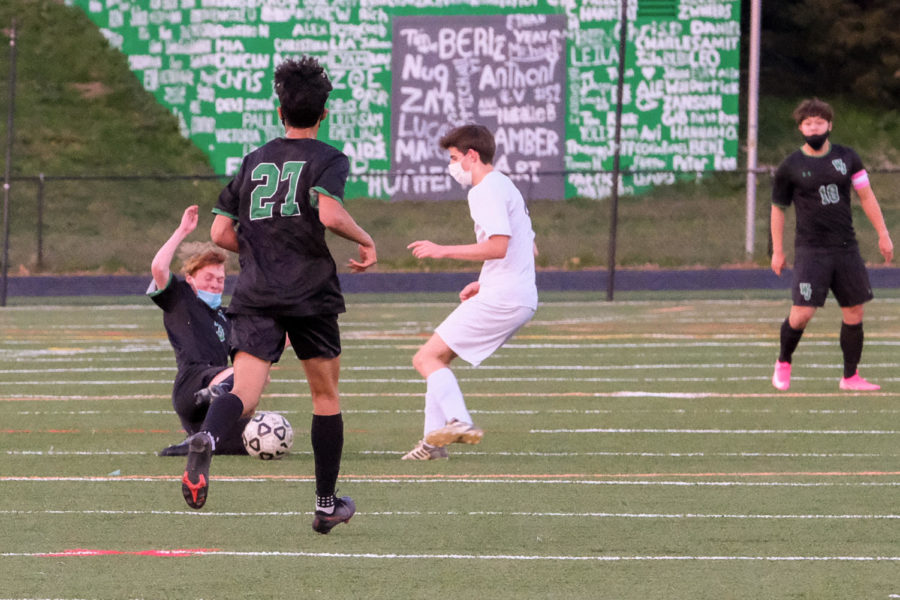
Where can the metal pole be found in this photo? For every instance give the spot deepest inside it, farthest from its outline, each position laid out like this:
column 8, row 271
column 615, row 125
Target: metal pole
column 614, row 196
column 6, row 176
column 752, row 127
column 40, row 223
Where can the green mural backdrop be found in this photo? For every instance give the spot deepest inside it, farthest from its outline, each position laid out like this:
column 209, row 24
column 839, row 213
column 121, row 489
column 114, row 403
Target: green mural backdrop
column 541, row 73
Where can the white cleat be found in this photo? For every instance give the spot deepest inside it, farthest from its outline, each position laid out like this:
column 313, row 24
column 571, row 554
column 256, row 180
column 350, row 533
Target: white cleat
column 454, row 432
column 424, row 451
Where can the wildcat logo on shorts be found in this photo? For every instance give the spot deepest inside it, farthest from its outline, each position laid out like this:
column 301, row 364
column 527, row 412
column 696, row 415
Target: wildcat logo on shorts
column 840, row 166
column 806, row 291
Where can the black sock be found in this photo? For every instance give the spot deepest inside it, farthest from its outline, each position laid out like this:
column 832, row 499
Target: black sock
column 222, row 415
column 327, row 436
column 231, row 442
column 851, row 346
column 790, row 337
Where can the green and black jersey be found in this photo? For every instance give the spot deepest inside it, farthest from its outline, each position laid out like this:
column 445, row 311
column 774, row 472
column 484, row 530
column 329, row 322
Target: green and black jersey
column 286, row 267
column 198, row 334
column 819, row 188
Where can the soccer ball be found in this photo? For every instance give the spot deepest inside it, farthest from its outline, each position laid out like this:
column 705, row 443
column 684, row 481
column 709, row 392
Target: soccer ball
column 268, row 436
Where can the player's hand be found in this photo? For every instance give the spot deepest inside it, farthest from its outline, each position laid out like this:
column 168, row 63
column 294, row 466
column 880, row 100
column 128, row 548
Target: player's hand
column 469, row 291
column 886, row 246
column 367, row 258
column 426, row 249
column 189, row 219
column 778, row 262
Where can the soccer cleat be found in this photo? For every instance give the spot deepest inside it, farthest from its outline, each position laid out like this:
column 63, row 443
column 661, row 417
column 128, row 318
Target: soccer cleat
column 179, row 449
column 453, row 432
column 344, row 508
column 195, row 481
column 425, row 452
column 781, row 378
column 858, row 384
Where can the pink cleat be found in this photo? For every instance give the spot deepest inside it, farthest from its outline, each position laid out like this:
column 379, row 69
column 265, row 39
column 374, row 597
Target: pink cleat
column 858, row 384
column 781, row 378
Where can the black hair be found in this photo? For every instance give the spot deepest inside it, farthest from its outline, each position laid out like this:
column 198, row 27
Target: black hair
column 302, row 88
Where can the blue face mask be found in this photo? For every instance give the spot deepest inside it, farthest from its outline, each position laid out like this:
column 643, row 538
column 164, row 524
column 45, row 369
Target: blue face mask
column 214, row 301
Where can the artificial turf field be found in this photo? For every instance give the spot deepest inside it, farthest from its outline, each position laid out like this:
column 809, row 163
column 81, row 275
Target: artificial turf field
column 633, row 450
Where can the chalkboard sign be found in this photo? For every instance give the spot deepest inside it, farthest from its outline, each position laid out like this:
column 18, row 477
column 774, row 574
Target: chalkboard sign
column 541, row 73
column 504, row 72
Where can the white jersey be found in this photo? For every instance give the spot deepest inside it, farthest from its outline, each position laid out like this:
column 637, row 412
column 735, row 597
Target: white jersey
column 497, row 207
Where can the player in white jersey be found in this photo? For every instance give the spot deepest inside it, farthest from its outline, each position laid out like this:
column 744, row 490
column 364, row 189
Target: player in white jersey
column 493, row 308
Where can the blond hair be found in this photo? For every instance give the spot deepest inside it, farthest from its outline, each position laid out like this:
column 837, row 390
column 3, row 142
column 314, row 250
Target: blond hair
column 204, row 256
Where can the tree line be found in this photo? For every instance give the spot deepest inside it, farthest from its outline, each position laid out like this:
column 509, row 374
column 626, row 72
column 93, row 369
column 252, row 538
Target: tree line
column 830, row 47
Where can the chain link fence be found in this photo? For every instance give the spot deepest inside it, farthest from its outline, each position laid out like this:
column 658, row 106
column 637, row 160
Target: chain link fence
column 115, row 224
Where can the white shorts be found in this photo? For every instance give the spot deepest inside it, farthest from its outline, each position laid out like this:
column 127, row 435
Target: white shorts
column 474, row 330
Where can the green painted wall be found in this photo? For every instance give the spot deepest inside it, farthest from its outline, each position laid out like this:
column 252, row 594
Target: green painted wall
column 540, row 73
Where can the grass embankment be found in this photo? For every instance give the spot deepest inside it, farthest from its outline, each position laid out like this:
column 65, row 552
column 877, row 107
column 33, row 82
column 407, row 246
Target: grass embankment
column 80, row 111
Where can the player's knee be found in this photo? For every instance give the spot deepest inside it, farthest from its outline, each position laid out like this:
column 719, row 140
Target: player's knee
column 801, row 316
column 853, row 315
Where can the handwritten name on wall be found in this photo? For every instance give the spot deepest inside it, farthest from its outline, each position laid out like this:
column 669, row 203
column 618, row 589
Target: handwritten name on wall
column 541, row 73
column 504, row 72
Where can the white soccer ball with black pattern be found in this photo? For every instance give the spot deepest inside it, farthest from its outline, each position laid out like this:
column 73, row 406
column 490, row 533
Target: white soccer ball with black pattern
column 268, row 436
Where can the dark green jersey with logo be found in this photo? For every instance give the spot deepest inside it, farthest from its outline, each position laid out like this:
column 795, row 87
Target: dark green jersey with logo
column 286, row 267
column 198, row 334
column 819, row 188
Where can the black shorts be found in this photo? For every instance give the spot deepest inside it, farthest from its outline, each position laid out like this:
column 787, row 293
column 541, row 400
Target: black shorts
column 186, row 384
column 315, row 336
column 841, row 270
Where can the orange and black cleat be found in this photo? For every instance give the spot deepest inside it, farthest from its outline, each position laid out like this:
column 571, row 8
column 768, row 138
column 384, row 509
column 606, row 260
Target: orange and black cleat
column 195, row 481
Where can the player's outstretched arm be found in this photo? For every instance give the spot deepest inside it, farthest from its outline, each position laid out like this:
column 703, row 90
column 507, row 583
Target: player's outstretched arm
column 161, row 263
column 493, row 247
column 873, row 211
column 336, row 218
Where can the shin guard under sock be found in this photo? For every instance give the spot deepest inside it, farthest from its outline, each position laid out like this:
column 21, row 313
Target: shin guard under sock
column 222, row 416
column 851, row 346
column 790, row 337
column 327, row 437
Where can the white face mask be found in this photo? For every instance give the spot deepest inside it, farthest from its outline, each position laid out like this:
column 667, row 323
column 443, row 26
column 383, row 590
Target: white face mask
column 461, row 176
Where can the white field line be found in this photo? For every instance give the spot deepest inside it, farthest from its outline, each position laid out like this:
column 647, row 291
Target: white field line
column 162, row 351
column 705, row 343
column 569, row 381
column 526, row 480
column 464, row 369
column 512, row 394
column 529, row 514
column 468, row 557
column 727, row 431
column 725, row 303
column 752, row 455
column 514, row 413
column 679, row 455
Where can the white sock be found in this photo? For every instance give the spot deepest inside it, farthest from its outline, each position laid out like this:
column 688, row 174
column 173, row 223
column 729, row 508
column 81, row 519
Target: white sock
column 434, row 416
column 325, row 504
column 444, row 389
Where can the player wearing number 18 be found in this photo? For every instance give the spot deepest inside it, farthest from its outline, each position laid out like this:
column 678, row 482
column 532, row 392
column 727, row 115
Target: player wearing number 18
column 817, row 179
column 283, row 198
